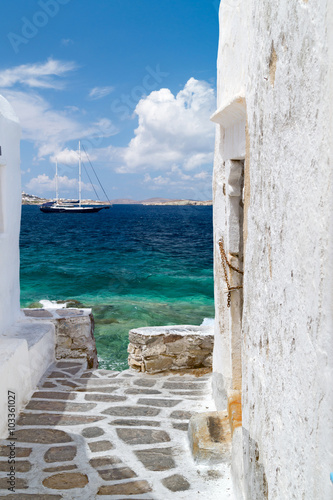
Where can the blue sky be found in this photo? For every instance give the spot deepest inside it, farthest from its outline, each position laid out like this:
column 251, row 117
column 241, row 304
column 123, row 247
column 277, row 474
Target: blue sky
column 133, row 79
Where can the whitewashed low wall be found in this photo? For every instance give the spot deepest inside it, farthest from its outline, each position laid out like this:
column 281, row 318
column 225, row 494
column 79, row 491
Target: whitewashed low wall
column 168, row 348
column 26, row 351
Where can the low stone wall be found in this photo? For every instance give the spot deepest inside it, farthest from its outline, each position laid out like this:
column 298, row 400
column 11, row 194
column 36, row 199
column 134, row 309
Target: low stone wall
column 169, row 348
column 74, row 330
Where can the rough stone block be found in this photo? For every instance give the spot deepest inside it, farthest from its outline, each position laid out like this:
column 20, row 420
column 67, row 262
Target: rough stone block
column 75, row 338
column 210, row 437
column 158, row 364
column 168, row 348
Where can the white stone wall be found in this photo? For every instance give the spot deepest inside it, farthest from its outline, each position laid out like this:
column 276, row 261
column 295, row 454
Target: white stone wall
column 279, row 57
column 10, row 214
column 26, row 348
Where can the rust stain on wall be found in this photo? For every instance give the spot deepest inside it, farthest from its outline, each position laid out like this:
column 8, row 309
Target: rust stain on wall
column 272, row 65
column 235, row 410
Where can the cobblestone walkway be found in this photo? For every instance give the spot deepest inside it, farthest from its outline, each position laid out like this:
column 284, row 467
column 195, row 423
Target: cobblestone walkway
column 89, row 434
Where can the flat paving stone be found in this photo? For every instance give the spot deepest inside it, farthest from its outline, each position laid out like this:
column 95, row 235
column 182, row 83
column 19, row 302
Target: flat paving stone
column 143, row 382
column 185, row 394
column 97, row 382
column 100, row 446
column 68, row 383
column 19, row 452
column 60, row 468
column 49, row 385
column 92, row 432
column 142, row 436
column 142, row 391
column 181, row 385
column 38, row 419
column 104, row 398
column 181, row 415
column 60, row 454
column 73, row 371
column 59, row 406
column 105, row 390
column 42, row 436
column 176, row 482
column 88, row 375
column 20, row 466
column 57, row 375
column 32, row 496
column 156, row 459
column 132, row 488
column 135, row 423
column 117, row 474
column 54, row 395
column 66, row 481
column 20, row 484
column 201, row 379
column 104, row 461
column 131, row 411
column 164, row 403
column 180, row 426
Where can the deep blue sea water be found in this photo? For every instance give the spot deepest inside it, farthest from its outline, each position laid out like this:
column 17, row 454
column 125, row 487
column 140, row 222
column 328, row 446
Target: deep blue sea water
column 134, row 265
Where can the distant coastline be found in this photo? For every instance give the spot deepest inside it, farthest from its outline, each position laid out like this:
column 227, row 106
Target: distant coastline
column 29, row 199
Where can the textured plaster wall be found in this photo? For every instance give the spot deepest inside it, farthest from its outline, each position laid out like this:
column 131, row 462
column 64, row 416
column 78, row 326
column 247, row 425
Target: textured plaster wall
column 287, row 360
column 10, row 214
column 231, row 67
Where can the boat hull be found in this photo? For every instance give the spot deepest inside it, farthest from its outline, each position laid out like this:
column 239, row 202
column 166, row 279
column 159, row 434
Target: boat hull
column 71, row 210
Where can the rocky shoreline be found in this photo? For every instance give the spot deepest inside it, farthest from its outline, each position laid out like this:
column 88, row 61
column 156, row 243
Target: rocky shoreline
column 29, row 199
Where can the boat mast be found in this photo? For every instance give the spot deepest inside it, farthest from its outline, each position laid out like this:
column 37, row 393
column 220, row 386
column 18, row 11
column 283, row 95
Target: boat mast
column 79, row 173
column 56, row 181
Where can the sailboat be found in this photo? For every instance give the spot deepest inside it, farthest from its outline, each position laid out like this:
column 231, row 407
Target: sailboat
column 70, row 206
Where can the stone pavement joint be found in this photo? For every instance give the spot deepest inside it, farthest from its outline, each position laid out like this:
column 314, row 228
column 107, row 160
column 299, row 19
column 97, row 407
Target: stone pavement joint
column 87, row 434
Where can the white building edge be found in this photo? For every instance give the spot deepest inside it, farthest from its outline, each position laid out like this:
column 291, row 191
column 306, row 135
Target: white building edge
column 273, row 207
column 27, row 346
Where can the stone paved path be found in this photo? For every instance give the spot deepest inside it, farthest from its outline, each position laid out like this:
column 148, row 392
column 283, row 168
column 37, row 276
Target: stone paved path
column 89, row 434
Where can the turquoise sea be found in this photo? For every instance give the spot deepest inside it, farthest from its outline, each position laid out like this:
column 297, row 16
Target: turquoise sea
column 134, row 265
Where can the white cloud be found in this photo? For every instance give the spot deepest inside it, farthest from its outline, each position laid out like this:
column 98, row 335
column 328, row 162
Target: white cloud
column 172, row 130
column 202, row 175
column 38, row 75
column 66, row 156
column 176, row 170
column 195, row 185
column 43, row 184
column 197, row 160
column 100, row 92
column 50, row 129
column 160, row 181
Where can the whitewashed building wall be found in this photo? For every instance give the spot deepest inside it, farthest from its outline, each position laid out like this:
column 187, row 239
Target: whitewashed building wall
column 10, row 215
column 274, row 345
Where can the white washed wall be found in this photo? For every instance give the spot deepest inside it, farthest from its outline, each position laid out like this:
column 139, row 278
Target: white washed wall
column 287, row 359
column 10, row 214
